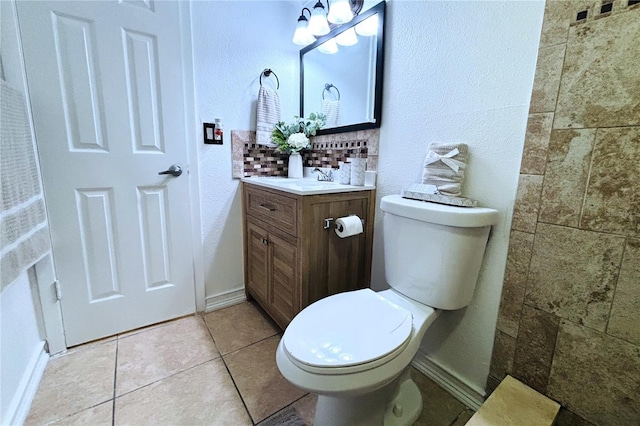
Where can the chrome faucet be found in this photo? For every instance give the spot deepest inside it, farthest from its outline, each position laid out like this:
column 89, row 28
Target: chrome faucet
column 322, row 176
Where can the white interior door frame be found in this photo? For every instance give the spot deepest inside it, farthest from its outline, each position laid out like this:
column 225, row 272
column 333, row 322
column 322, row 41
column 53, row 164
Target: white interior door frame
column 188, row 85
column 45, row 273
column 52, row 314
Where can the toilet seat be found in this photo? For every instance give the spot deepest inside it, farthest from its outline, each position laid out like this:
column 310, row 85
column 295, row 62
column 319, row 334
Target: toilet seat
column 347, row 332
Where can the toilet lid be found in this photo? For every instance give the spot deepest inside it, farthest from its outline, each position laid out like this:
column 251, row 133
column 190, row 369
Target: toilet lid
column 347, row 329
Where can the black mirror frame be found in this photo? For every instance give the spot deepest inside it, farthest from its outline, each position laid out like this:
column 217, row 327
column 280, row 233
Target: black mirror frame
column 377, row 108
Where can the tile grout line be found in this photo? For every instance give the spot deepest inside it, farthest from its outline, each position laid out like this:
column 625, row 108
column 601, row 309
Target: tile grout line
column 278, row 332
column 278, row 410
column 251, row 344
column 115, row 382
column 164, row 378
column 144, row 329
column 224, row 362
column 69, row 415
column 115, row 395
column 615, row 290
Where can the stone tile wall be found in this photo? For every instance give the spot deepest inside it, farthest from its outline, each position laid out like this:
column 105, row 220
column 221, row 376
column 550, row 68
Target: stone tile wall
column 569, row 318
column 251, row 159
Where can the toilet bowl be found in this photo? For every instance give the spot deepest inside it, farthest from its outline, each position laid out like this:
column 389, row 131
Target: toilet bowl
column 354, row 357
column 353, row 349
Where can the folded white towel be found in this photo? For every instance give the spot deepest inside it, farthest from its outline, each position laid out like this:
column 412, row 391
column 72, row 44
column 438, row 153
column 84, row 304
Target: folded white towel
column 332, row 110
column 267, row 115
column 444, row 167
column 24, row 235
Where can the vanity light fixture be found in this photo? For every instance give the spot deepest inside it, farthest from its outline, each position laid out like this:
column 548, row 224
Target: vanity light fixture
column 318, row 24
column 340, row 12
column 302, row 35
column 347, row 38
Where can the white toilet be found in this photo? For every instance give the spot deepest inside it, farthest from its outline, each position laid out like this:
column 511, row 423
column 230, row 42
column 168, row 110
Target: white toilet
column 353, row 348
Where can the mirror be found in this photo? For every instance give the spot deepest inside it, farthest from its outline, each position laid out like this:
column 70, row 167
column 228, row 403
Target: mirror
column 345, row 85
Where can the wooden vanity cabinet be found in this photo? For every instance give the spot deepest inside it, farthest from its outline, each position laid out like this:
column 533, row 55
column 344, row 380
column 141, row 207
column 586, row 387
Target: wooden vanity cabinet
column 290, row 260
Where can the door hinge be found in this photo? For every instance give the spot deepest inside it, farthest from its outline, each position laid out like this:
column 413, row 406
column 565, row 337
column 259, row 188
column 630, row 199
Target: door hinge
column 58, row 289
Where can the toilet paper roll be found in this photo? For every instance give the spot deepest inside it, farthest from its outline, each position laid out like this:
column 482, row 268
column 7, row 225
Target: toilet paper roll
column 348, row 226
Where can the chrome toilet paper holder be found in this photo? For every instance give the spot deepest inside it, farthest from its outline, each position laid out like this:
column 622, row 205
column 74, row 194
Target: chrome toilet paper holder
column 330, row 221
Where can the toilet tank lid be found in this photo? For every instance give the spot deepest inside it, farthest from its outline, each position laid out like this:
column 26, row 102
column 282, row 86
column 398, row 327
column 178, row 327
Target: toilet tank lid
column 463, row 217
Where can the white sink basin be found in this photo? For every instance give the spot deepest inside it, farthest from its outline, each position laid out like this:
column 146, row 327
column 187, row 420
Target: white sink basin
column 305, row 186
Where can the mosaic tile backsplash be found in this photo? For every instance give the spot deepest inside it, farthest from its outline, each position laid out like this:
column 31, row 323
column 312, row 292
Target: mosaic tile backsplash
column 251, row 159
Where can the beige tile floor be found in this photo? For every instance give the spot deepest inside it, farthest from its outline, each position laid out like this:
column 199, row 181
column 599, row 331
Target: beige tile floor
column 212, row 369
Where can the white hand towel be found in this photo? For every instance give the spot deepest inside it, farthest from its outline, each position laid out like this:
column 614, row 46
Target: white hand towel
column 444, row 167
column 332, row 110
column 24, row 235
column 267, row 115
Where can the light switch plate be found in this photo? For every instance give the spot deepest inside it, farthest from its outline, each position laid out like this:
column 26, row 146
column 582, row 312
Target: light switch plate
column 208, row 132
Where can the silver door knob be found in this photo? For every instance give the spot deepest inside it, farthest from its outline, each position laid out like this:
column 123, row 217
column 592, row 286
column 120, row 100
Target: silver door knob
column 174, row 170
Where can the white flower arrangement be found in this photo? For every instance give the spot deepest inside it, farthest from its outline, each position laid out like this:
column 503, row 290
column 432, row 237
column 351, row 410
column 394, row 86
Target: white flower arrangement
column 298, row 142
column 294, row 137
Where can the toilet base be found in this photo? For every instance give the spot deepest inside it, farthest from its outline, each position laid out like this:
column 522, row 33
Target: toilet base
column 397, row 404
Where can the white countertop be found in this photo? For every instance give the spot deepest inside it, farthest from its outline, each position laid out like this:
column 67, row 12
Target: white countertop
column 304, row 186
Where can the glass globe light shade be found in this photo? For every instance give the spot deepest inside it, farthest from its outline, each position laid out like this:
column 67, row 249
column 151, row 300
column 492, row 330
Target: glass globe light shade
column 302, row 35
column 329, row 47
column 340, row 12
column 368, row 27
column 347, row 38
column 318, row 25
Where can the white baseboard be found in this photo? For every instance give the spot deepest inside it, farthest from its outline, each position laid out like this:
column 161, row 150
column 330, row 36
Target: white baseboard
column 468, row 395
column 22, row 399
column 223, row 300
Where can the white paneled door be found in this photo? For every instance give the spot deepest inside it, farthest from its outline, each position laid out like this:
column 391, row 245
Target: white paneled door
column 106, row 87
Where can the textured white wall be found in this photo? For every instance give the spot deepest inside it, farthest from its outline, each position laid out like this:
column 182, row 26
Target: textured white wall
column 233, row 41
column 458, row 71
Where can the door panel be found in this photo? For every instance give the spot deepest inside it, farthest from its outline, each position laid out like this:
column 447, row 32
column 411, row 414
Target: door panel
column 284, row 278
column 153, row 217
column 257, row 262
column 95, row 211
column 335, row 264
column 105, row 81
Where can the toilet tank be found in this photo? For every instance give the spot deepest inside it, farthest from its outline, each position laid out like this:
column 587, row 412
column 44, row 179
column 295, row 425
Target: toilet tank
column 433, row 252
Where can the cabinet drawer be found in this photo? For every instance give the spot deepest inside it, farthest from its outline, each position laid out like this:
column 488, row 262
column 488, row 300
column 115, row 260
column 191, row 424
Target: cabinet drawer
column 276, row 210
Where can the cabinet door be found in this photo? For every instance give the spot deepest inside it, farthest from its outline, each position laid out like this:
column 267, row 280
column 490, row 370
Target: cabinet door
column 284, row 297
column 335, row 264
column 257, row 266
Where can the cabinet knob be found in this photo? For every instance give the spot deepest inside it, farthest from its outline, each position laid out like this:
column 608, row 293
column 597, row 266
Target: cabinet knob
column 265, row 241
